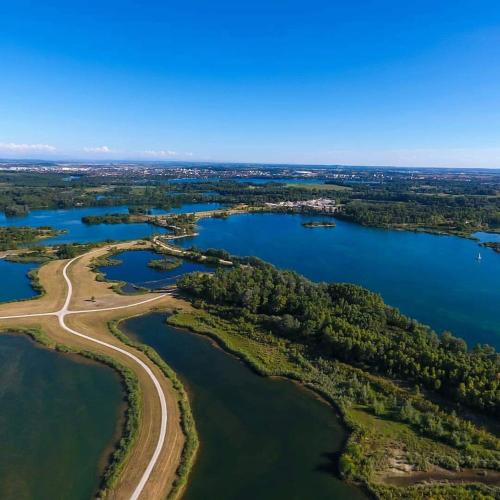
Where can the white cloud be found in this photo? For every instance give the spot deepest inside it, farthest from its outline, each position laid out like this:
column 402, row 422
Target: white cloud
column 12, row 147
column 162, row 153
column 98, row 149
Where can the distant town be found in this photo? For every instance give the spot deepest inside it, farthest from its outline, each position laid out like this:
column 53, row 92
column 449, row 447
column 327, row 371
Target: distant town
column 200, row 171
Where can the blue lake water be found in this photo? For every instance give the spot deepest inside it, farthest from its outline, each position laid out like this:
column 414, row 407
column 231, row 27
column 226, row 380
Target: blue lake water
column 435, row 279
column 483, row 237
column 70, row 220
column 14, row 283
column 134, row 270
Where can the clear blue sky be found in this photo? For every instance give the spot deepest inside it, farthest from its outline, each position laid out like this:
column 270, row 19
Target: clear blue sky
column 353, row 82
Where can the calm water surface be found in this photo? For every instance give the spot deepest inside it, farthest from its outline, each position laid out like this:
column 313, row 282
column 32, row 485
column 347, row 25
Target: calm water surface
column 57, row 418
column 14, row 282
column 435, row 279
column 134, row 270
column 70, row 220
column 260, row 438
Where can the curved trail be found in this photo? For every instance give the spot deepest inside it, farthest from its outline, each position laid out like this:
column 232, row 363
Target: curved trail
column 62, row 313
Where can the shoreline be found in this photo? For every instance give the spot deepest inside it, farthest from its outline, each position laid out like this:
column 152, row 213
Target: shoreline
column 129, row 461
column 249, row 352
column 129, row 409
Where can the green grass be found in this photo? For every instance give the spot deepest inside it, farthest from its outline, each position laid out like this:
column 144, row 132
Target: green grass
column 187, row 421
column 267, row 358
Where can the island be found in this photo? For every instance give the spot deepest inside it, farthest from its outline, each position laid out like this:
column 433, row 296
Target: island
column 15, row 236
column 107, row 219
column 318, row 223
column 165, row 264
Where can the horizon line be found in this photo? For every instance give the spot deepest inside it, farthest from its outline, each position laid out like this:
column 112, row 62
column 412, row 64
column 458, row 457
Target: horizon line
column 204, row 163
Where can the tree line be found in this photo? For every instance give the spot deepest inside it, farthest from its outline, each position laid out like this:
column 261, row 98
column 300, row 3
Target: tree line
column 351, row 324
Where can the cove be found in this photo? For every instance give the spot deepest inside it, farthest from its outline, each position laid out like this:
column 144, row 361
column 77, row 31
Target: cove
column 259, row 437
column 134, row 270
column 58, row 419
column 15, row 283
column 434, row 279
column 70, row 220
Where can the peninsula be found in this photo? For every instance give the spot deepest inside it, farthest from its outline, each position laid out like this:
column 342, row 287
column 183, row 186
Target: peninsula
column 77, row 319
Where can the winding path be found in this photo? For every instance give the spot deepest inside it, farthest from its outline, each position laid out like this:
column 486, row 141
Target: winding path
column 62, row 313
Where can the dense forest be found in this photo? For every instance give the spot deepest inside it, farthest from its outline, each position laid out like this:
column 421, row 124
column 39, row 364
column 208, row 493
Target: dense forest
column 351, row 324
column 461, row 215
column 436, row 203
column 106, row 219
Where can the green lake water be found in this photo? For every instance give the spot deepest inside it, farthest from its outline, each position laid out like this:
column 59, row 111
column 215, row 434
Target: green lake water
column 261, row 438
column 58, row 419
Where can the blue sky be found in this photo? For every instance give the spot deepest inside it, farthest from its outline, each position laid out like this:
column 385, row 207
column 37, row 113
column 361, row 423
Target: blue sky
column 351, row 82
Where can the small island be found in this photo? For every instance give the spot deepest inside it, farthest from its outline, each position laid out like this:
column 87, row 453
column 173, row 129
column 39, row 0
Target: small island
column 15, row 236
column 106, row 219
column 165, row 264
column 319, row 223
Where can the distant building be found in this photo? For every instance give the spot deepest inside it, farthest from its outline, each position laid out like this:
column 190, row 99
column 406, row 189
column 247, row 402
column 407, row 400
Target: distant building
column 321, row 205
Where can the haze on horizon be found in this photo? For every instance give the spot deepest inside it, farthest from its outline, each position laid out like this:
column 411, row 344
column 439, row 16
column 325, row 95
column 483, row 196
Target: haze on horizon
column 277, row 81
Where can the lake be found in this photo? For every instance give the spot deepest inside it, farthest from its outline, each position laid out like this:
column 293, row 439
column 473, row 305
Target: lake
column 435, row 279
column 280, row 433
column 70, row 220
column 15, row 283
column 260, row 437
column 58, row 416
column 134, row 270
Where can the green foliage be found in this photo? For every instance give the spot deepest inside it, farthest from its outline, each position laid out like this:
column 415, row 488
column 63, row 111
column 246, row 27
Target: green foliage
column 71, row 250
column 106, row 219
column 165, row 264
column 495, row 245
column 357, row 394
column 15, row 236
column 349, row 323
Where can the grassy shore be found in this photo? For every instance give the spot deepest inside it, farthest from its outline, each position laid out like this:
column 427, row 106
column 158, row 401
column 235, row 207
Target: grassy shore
column 108, row 260
column 187, row 421
column 131, row 458
column 380, row 445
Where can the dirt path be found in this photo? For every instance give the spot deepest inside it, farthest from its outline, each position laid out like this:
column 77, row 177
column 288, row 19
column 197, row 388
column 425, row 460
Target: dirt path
column 68, row 316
